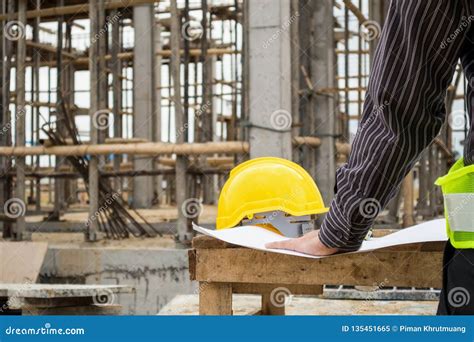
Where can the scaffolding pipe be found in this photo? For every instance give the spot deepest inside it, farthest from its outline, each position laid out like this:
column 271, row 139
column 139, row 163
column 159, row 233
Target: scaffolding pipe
column 152, row 149
column 75, row 9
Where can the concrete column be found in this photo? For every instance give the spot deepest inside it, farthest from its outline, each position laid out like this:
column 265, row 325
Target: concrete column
column 116, row 66
column 19, row 119
column 304, row 117
column 157, row 114
column 323, row 72
column 143, row 98
column 210, row 187
column 269, row 77
column 183, row 223
column 377, row 12
column 93, row 232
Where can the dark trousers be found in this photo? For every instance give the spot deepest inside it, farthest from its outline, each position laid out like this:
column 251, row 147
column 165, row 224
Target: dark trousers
column 457, row 295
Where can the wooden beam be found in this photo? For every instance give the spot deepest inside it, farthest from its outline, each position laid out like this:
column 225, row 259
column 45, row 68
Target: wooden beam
column 215, row 299
column 228, row 147
column 356, row 11
column 393, row 267
column 49, row 48
column 273, row 301
column 305, row 290
column 76, row 9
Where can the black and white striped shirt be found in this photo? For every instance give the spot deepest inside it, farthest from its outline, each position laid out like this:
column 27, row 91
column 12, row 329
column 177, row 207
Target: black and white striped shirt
column 420, row 45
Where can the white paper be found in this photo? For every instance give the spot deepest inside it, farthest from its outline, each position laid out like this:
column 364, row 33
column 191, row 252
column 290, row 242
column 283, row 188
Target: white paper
column 256, row 237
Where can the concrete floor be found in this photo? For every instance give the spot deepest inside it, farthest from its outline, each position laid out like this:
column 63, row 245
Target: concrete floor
column 304, row 305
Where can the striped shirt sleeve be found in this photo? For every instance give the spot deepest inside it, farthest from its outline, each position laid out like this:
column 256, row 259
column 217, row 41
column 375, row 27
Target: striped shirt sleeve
column 404, row 110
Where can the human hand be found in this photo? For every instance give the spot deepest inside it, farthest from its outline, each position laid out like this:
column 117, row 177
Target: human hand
column 308, row 244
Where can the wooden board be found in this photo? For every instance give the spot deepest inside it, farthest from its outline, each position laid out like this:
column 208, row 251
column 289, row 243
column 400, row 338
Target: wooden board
column 215, row 299
column 20, row 262
column 388, row 267
column 244, row 288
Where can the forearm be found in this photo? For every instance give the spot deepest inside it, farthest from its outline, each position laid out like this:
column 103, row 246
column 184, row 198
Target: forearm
column 377, row 165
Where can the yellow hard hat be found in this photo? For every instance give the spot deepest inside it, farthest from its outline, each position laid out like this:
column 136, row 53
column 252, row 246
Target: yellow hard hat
column 267, row 184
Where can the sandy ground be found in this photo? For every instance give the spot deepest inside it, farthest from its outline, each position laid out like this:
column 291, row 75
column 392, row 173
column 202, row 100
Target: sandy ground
column 78, row 214
column 162, row 214
column 305, row 305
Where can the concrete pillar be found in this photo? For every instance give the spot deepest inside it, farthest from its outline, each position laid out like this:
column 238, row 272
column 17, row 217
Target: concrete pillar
column 143, row 98
column 210, row 187
column 269, row 77
column 19, row 119
column 183, row 223
column 304, row 117
column 116, row 66
column 377, row 12
column 93, row 232
column 157, row 180
column 323, row 72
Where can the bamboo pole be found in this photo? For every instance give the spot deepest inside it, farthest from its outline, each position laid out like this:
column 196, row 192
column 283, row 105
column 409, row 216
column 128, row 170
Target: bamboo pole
column 49, row 48
column 356, row 11
column 76, row 9
column 230, row 147
column 408, row 200
column 183, row 227
column 152, row 149
column 84, row 61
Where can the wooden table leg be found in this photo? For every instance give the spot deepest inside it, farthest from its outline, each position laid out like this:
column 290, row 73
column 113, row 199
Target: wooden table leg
column 273, row 302
column 215, row 298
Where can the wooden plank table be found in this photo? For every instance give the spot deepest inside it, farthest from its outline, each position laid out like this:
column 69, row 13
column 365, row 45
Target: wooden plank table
column 223, row 269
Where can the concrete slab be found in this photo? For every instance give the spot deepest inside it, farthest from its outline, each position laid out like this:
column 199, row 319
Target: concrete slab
column 59, row 290
column 20, row 262
column 157, row 274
